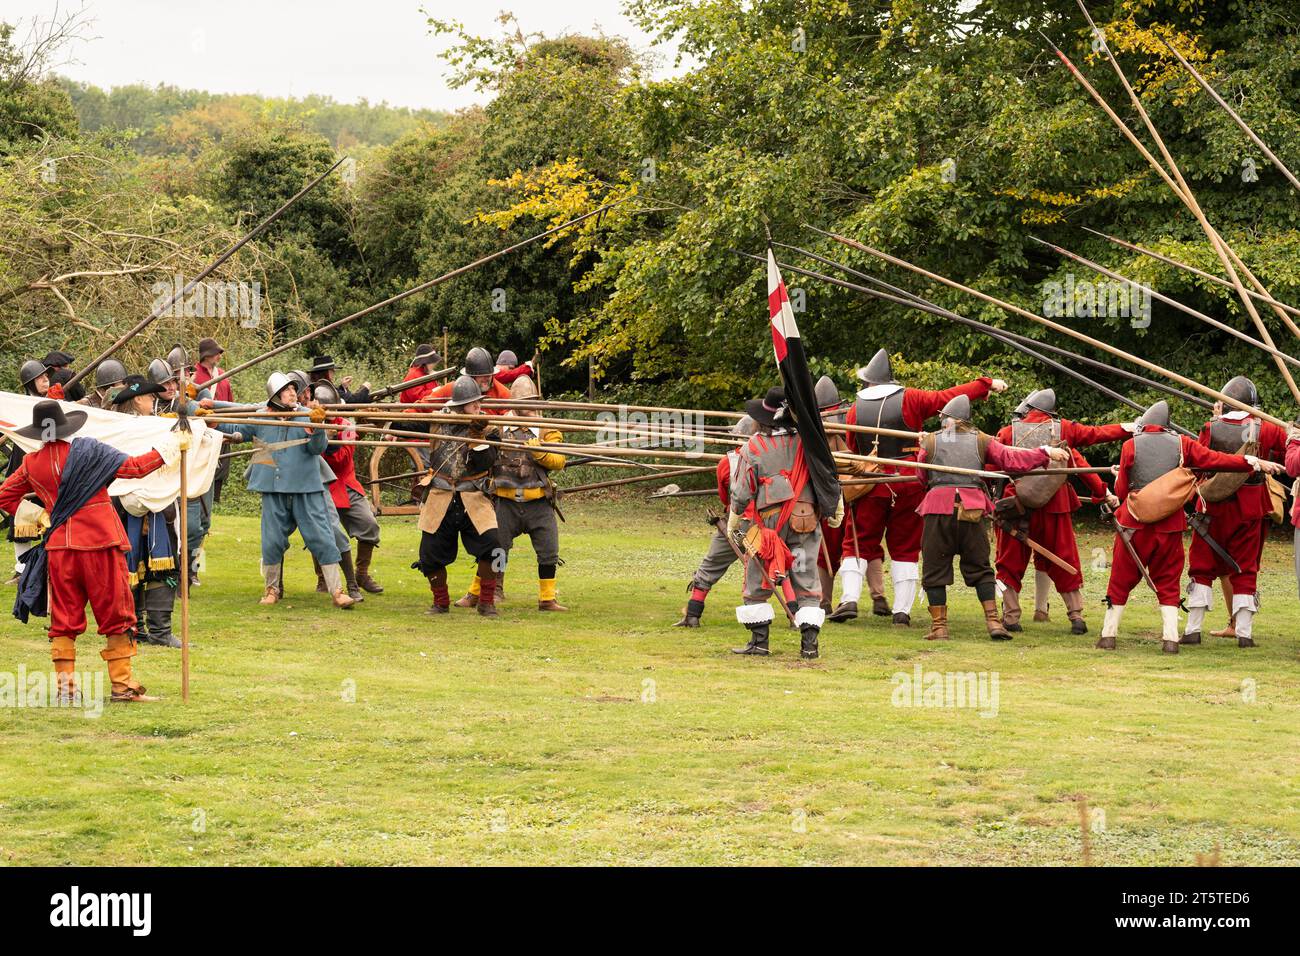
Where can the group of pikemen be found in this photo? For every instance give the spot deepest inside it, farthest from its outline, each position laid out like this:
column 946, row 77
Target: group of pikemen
column 924, row 519
column 482, row 486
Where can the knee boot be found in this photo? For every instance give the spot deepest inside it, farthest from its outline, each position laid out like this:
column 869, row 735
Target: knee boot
column 938, row 623
column 117, row 653
column 63, row 652
column 159, row 601
column 994, row 623
column 365, row 552
column 876, row 587
column 758, row 634
column 350, row 577
column 809, row 620
column 1010, row 608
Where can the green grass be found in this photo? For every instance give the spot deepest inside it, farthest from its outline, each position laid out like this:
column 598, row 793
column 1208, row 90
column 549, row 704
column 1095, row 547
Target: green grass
column 605, row 736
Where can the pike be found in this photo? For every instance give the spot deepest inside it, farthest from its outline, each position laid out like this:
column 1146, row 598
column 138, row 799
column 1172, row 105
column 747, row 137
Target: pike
column 1180, row 189
column 1208, row 320
column 1001, row 334
column 212, row 267
column 924, row 306
column 388, row 390
column 1170, row 260
column 655, row 476
column 1241, row 123
column 414, row 290
column 1063, row 329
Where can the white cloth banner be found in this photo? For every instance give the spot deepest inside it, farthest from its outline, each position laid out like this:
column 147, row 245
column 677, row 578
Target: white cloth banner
column 134, row 435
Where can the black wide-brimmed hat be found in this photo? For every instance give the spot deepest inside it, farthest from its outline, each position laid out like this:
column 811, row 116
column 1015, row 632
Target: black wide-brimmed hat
column 50, row 421
column 58, row 359
column 425, row 354
column 322, row 363
column 133, row 386
column 766, row 409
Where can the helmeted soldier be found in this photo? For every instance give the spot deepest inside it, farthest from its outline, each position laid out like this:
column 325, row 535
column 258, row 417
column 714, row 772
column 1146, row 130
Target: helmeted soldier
column 772, row 492
column 323, row 368
column 1153, row 485
column 525, row 498
column 348, row 497
column 110, row 376
column 1041, row 508
column 478, row 365
column 293, row 493
column 1236, row 507
column 34, row 377
column 457, row 503
column 955, row 510
column 888, row 511
column 720, row 555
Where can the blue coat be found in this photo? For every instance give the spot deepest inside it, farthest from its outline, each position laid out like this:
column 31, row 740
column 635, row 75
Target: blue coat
column 297, row 468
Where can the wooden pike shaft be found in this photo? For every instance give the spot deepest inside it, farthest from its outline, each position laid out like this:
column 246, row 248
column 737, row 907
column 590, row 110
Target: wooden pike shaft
column 212, row 267
column 1241, row 123
column 423, row 286
column 1180, row 189
column 1169, row 260
column 656, row 476
column 1063, row 329
column 1208, row 320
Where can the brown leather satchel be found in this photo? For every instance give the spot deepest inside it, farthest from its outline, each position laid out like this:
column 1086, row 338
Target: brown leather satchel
column 803, row 517
column 1165, row 496
column 1225, row 484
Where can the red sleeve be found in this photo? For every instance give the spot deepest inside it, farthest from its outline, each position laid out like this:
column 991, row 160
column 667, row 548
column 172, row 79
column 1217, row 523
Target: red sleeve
column 1093, row 481
column 508, row 375
column 1081, row 436
column 141, row 465
column 920, row 405
column 14, row 488
column 1004, row 435
column 1272, row 442
column 1125, row 463
column 1002, row 457
column 851, row 438
column 1292, row 462
column 724, row 481
column 1197, row 457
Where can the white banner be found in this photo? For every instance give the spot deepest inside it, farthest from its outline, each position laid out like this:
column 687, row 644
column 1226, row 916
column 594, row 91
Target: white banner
column 135, row 435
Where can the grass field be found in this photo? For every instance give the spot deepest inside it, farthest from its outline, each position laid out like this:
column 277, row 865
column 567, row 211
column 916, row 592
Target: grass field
column 604, row 736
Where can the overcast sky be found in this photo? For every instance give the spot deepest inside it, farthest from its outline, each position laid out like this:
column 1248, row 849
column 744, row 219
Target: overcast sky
column 347, row 49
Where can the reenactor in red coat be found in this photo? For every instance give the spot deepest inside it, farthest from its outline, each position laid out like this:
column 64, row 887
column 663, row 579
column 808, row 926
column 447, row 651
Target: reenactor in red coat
column 1154, row 484
column 889, row 512
column 1049, row 525
column 1236, row 507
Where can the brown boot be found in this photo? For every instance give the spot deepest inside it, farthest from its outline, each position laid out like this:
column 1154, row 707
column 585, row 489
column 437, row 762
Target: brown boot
column 938, row 623
column 365, row 553
column 350, row 577
column 320, row 578
column 63, row 652
column 1074, row 611
column 270, row 596
column 546, row 598
column 875, row 578
column 471, row 596
column 117, row 653
column 1011, row 610
column 993, row 622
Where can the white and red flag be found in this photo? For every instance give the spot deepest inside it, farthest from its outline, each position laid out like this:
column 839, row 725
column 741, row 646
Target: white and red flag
column 799, row 392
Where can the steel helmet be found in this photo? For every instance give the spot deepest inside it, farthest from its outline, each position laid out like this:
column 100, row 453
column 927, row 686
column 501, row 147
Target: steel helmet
column 1044, row 400
column 160, row 372
column 1243, row 390
column 177, row 358
column 464, row 391
column 276, row 384
column 1157, row 414
column 301, row 381
column 827, row 392
column 478, row 362
column 508, row 359
column 958, row 408
column 878, row 371
column 30, row 371
column 109, row 372
column 325, row 393
column 523, row 387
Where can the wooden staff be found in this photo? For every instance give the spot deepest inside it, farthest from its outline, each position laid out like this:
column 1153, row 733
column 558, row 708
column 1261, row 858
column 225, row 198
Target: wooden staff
column 189, row 286
column 659, row 475
column 1063, row 329
column 1241, row 123
column 422, row 287
column 182, row 534
column 1208, row 320
column 1169, row 260
column 1180, row 189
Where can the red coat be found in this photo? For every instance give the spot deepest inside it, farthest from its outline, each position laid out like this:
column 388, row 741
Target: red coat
column 919, row 405
column 724, row 481
column 1293, row 469
column 1076, row 436
column 1195, row 456
column 508, row 375
column 96, row 525
column 1253, row 501
column 342, row 461
column 221, row 391
column 417, row 393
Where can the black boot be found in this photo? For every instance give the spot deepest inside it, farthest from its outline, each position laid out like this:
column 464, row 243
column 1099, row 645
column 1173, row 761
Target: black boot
column 158, row 603
column 691, row 616
column 808, row 642
column 757, row 641
column 847, row 611
column 349, row 577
